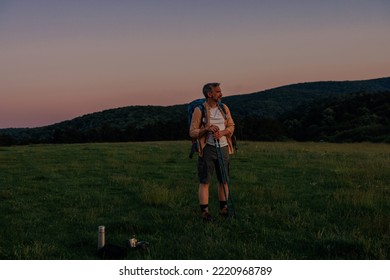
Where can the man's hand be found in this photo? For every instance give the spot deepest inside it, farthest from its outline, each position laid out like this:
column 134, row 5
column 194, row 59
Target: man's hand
column 210, row 129
column 213, row 129
column 218, row 134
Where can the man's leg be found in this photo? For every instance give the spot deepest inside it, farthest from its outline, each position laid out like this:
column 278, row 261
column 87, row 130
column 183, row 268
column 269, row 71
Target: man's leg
column 205, row 170
column 204, row 197
column 223, row 195
column 223, row 192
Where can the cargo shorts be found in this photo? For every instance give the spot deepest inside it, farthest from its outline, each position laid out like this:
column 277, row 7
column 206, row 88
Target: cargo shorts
column 209, row 161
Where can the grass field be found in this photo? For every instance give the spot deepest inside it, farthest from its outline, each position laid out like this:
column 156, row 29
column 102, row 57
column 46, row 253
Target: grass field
column 293, row 201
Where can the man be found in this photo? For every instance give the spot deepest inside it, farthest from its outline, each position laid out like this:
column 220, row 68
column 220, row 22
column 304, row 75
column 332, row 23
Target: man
column 216, row 125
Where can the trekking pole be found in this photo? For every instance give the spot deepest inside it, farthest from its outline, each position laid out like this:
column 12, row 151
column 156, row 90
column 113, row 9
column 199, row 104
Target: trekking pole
column 225, row 177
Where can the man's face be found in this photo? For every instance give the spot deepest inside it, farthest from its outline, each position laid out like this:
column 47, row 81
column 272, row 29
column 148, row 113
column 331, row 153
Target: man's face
column 216, row 94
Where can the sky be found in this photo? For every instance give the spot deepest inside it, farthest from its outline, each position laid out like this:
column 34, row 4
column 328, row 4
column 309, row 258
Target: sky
column 63, row 59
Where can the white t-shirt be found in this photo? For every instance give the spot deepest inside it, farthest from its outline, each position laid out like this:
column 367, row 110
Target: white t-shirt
column 216, row 118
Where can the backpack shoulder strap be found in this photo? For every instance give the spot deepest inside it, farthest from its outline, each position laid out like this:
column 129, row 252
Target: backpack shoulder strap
column 203, row 110
column 222, row 106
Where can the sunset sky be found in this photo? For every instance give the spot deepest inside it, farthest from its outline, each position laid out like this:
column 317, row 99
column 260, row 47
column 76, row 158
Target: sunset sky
column 63, row 59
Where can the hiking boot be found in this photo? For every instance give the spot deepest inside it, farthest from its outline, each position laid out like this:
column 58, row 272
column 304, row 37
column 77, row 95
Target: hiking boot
column 224, row 212
column 207, row 217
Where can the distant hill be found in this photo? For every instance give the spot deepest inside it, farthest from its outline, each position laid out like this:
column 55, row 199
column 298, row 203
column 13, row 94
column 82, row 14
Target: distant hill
column 287, row 112
column 350, row 118
column 275, row 102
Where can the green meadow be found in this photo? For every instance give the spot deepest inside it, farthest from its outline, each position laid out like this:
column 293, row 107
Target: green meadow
column 292, row 201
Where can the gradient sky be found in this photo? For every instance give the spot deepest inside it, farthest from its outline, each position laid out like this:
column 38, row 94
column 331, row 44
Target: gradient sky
column 63, row 59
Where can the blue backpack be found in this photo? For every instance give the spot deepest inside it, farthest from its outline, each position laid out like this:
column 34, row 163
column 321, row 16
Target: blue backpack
column 198, row 103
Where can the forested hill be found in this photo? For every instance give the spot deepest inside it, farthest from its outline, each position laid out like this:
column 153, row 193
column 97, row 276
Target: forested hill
column 275, row 102
column 331, row 111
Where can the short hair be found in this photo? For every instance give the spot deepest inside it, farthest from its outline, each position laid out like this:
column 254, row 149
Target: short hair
column 208, row 88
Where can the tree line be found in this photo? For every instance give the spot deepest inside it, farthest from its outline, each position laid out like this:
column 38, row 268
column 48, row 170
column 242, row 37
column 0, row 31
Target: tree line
column 345, row 118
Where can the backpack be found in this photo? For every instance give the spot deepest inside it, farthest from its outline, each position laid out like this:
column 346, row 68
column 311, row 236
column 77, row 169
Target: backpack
column 198, row 103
